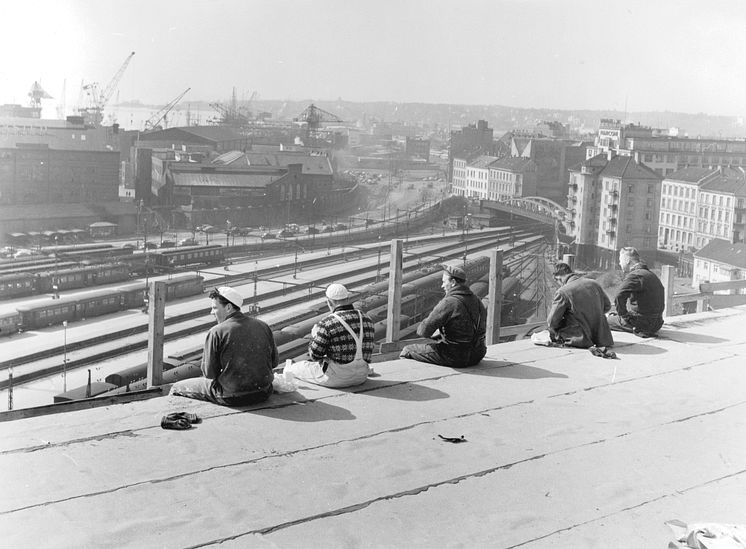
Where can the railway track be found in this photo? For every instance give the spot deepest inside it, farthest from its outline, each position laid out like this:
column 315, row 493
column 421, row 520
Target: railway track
column 289, row 294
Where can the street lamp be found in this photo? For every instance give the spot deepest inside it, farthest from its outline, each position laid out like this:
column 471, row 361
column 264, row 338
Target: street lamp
column 295, row 263
column 227, row 232
column 64, row 359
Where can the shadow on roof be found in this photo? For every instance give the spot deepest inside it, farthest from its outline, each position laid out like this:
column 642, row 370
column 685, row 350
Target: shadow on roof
column 496, row 368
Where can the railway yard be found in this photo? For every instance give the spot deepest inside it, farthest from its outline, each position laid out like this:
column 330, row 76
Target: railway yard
column 61, row 350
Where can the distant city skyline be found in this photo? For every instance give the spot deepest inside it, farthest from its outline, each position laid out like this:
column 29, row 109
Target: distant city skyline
column 668, row 55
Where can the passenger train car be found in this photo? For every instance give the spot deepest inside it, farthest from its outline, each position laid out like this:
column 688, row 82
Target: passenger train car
column 24, row 284
column 101, row 302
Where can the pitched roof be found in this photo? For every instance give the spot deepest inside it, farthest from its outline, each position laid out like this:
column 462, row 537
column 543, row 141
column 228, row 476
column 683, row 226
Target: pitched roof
column 311, row 164
column 726, row 184
column 625, row 167
column 691, row 175
column 204, row 133
column 482, row 161
column 238, row 179
column 596, row 163
column 513, row 164
column 722, row 251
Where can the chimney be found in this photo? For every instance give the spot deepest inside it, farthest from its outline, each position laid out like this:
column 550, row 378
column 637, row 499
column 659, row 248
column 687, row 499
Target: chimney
column 637, row 157
column 609, row 155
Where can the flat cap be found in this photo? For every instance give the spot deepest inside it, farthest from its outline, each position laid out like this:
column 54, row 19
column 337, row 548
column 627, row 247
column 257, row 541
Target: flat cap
column 455, row 272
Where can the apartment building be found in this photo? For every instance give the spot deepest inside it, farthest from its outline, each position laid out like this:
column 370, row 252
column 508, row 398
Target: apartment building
column 511, row 178
column 702, row 204
column 720, row 261
column 663, row 152
column 614, row 202
column 471, row 177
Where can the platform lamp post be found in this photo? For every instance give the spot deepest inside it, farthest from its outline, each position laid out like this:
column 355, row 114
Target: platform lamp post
column 227, row 232
column 378, row 269
column 295, row 262
column 64, row 357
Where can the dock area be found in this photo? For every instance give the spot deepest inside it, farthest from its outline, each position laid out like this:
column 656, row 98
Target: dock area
column 560, row 448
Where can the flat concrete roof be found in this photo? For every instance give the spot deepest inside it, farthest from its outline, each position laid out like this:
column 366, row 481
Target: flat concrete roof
column 562, row 449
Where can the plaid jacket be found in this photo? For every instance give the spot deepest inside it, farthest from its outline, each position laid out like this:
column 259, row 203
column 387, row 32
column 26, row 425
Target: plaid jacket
column 333, row 341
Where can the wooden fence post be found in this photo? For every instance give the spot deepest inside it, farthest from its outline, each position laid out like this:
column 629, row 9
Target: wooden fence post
column 495, row 293
column 393, row 320
column 667, row 278
column 156, row 321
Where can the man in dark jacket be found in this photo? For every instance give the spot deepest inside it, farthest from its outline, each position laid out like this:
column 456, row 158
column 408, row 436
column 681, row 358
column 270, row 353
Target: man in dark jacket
column 577, row 316
column 238, row 356
column 457, row 324
column 640, row 300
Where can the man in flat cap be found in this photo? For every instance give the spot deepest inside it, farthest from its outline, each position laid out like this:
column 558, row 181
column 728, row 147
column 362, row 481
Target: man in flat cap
column 577, row 315
column 341, row 344
column 457, row 324
column 238, row 357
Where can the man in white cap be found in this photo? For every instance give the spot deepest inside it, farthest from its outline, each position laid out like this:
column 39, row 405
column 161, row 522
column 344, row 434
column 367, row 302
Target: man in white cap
column 238, row 357
column 458, row 324
column 341, row 344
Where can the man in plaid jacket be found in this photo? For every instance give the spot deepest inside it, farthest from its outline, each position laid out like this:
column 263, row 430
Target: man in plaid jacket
column 341, row 344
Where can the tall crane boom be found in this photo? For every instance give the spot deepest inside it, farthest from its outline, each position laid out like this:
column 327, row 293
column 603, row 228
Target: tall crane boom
column 313, row 116
column 154, row 120
column 104, row 99
column 94, row 113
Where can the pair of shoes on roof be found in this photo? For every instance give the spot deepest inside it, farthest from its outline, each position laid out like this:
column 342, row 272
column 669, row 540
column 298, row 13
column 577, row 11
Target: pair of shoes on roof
column 179, row 421
column 603, row 352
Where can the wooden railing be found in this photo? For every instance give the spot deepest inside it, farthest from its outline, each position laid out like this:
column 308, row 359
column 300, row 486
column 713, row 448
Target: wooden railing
column 702, row 297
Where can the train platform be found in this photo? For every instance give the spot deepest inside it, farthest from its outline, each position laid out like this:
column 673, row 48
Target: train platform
column 559, row 448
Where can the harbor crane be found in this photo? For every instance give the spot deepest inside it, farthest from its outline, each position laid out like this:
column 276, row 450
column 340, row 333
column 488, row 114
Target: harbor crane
column 94, row 113
column 153, row 122
column 36, row 94
column 313, row 116
column 232, row 115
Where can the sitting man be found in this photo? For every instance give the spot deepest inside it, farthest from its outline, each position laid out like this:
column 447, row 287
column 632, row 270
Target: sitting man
column 577, row 315
column 458, row 324
column 238, row 358
column 341, row 344
column 640, row 300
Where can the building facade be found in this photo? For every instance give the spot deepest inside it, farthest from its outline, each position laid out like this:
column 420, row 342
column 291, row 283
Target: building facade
column 511, row 178
column 663, row 152
column 720, row 261
column 614, row 203
column 470, row 140
column 473, row 178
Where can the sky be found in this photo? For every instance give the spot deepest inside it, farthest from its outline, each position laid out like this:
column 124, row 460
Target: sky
column 650, row 55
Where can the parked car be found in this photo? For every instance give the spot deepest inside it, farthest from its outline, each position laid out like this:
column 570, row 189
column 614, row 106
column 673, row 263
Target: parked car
column 167, row 244
column 312, row 230
column 285, row 233
column 187, row 242
column 340, row 227
column 327, row 229
column 265, row 236
column 150, row 245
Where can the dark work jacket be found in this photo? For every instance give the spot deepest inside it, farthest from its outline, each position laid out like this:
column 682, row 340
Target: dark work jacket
column 641, row 299
column 239, row 355
column 577, row 313
column 461, row 319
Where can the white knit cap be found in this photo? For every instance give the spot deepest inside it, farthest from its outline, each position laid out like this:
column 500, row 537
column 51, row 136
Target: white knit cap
column 337, row 292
